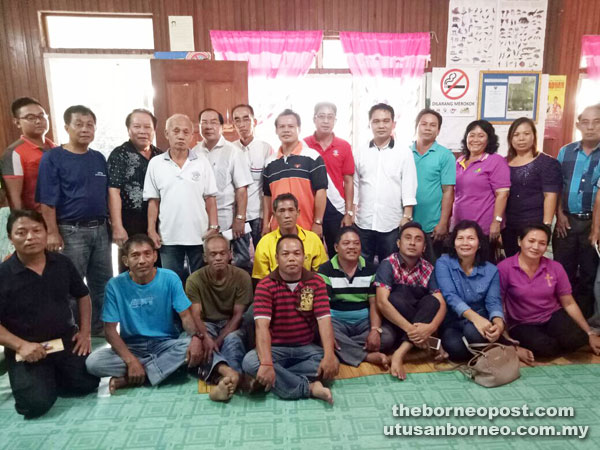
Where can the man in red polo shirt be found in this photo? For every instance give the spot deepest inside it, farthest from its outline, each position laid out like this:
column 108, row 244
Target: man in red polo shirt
column 288, row 305
column 339, row 163
column 20, row 161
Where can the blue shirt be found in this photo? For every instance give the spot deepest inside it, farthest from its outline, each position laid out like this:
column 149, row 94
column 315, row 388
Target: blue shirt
column 435, row 168
column 580, row 174
column 479, row 291
column 145, row 310
column 75, row 184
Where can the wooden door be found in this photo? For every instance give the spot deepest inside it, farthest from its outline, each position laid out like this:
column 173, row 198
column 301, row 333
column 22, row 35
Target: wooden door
column 187, row 87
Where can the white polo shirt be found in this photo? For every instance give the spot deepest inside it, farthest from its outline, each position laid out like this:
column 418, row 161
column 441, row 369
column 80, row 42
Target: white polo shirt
column 257, row 153
column 181, row 190
column 232, row 171
column 385, row 180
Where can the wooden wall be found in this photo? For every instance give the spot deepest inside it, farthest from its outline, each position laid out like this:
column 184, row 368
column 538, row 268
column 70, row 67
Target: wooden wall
column 21, row 51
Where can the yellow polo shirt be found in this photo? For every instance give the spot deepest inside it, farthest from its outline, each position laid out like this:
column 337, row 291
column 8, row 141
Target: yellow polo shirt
column 264, row 255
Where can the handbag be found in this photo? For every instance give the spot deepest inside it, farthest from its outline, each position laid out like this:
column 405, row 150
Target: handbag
column 492, row 364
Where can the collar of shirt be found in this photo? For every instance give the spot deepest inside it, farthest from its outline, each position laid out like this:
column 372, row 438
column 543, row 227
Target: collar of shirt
column 301, row 233
column 542, row 267
column 17, row 266
column 296, row 151
column 580, row 147
column 455, row 265
column 461, row 160
column 220, row 143
column 192, row 155
column 335, row 263
column 48, row 144
column 132, row 148
column 312, row 141
column 435, row 146
column 390, row 144
column 306, row 275
column 241, row 144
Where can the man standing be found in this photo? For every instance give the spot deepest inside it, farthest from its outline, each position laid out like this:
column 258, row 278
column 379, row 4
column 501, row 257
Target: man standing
column 286, row 214
column 573, row 233
column 21, row 161
column 385, row 186
column 408, row 296
column 232, row 173
column 436, row 175
column 359, row 332
column 181, row 185
column 143, row 302
column 288, row 306
column 34, row 309
column 257, row 152
column 339, row 163
column 298, row 170
column 72, row 188
column 127, row 166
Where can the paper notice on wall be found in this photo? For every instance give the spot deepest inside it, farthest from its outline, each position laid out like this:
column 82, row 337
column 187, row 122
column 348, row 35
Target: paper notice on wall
column 521, row 31
column 454, row 91
column 181, row 33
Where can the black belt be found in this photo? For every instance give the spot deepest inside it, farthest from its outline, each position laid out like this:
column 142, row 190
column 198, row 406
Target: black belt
column 84, row 223
column 581, row 216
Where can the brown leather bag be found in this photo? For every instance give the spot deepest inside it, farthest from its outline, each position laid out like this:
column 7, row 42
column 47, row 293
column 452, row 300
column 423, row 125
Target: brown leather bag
column 493, row 365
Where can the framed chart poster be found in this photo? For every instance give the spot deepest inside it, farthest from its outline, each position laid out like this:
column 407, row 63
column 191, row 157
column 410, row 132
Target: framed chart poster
column 505, row 96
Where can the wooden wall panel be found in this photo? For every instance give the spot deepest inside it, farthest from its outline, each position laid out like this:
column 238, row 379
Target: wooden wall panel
column 21, row 51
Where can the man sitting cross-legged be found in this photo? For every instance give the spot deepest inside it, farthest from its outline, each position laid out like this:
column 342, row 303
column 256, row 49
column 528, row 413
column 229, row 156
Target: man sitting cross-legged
column 408, row 296
column 359, row 333
column 288, row 306
column 143, row 301
column 220, row 293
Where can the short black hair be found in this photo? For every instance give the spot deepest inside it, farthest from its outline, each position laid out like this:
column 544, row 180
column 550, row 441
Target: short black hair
column 289, row 112
column 284, row 197
column 139, row 238
column 77, row 109
column 482, row 251
column 17, row 214
column 289, row 236
column 411, row 224
column 140, row 111
column 221, row 120
column 488, row 128
column 20, row 102
column 535, row 226
column 383, row 107
column 429, row 111
column 342, row 231
column 243, row 105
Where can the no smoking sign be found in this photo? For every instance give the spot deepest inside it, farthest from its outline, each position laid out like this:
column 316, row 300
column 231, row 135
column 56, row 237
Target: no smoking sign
column 454, row 84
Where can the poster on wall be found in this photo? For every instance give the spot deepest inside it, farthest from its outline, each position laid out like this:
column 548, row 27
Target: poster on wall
column 454, row 91
column 521, row 31
column 556, row 100
column 506, row 96
column 471, row 32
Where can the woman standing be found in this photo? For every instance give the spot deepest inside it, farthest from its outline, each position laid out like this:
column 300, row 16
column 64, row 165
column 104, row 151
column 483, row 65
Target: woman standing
column 535, row 183
column 482, row 181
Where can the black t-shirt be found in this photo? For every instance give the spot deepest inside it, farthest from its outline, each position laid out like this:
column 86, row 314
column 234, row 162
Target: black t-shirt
column 36, row 307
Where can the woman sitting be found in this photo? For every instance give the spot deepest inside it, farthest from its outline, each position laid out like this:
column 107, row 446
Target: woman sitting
column 471, row 287
column 541, row 312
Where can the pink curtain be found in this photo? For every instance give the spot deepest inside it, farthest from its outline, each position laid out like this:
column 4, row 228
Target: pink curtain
column 389, row 55
column 590, row 50
column 269, row 54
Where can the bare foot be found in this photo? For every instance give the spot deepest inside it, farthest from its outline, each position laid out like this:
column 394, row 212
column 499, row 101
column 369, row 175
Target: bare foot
column 226, row 371
column 378, row 358
column 525, row 355
column 317, row 390
column 440, row 355
column 223, row 391
column 397, row 370
column 116, row 383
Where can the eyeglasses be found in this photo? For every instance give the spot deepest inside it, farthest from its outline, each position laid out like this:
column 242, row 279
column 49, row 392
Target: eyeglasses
column 325, row 117
column 34, row 118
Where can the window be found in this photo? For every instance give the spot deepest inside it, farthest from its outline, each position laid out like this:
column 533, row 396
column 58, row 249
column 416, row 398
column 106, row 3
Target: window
column 588, row 94
column 80, row 31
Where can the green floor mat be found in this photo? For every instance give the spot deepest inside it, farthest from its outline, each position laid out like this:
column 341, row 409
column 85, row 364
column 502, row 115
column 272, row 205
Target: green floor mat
column 174, row 416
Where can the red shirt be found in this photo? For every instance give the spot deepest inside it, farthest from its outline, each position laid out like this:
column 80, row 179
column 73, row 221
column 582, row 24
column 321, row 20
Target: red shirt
column 339, row 161
column 22, row 160
column 294, row 314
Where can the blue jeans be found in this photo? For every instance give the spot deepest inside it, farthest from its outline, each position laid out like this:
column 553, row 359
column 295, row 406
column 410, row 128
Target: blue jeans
column 352, row 337
column 377, row 243
column 452, row 332
column 233, row 349
column 89, row 250
column 173, row 257
column 295, row 368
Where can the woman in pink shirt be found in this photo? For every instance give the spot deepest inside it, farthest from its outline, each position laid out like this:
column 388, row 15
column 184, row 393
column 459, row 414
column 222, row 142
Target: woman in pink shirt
column 540, row 311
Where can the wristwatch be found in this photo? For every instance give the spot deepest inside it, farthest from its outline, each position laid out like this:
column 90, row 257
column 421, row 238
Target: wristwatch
column 498, row 219
column 214, row 227
column 239, row 217
column 379, row 329
column 407, row 217
column 199, row 335
column 350, row 213
column 318, row 221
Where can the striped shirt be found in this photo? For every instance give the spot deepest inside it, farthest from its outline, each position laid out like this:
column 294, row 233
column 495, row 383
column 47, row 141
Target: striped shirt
column 394, row 271
column 349, row 297
column 580, row 174
column 293, row 314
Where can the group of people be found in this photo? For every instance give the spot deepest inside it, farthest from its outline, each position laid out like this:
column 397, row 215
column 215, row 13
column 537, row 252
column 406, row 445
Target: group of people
column 412, row 236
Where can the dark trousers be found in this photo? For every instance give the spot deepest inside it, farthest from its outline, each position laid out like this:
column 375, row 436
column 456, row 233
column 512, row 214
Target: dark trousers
column 375, row 243
column 510, row 241
column 433, row 249
column 558, row 335
column 452, row 332
column 414, row 308
column 580, row 261
column 134, row 222
column 331, row 225
column 256, row 233
column 35, row 386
